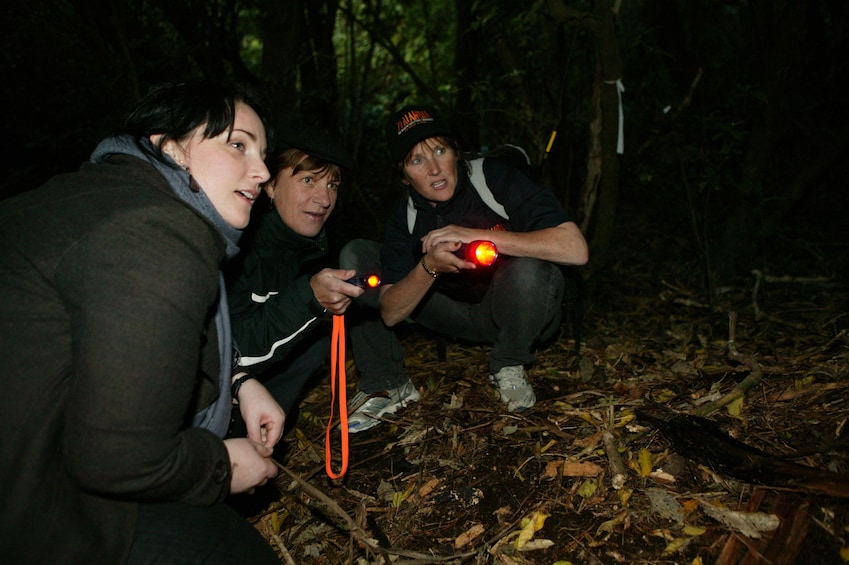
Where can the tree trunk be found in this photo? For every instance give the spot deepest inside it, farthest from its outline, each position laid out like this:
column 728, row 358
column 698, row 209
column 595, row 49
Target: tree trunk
column 748, row 217
column 280, row 54
column 466, row 73
column 320, row 99
column 601, row 188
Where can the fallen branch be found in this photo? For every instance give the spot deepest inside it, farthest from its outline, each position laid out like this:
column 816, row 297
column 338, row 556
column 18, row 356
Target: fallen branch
column 744, row 385
column 359, row 533
column 761, row 277
column 791, row 279
column 816, row 388
column 618, row 473
column 703, row 441
column 332, row 505
column 287, row 557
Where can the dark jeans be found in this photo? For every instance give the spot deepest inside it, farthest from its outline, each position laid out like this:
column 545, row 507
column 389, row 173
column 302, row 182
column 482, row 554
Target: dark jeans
column 521, row 308
column 184, row 535
column 376, row 349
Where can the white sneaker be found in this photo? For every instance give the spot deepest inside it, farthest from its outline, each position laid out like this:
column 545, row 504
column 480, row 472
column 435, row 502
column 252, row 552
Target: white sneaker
column 514, row 388
column 369, row 408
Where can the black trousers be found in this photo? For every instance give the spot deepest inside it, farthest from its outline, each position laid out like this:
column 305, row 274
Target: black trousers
column 188, row 535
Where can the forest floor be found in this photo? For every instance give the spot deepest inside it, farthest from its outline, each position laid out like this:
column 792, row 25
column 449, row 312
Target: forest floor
column 611, row 465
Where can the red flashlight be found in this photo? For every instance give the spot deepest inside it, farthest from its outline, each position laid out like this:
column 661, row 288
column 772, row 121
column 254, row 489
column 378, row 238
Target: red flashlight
column 365, row 281
column 480, row 252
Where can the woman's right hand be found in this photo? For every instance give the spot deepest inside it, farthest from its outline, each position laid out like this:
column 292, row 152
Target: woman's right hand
column 331, row 290
column 250, row 464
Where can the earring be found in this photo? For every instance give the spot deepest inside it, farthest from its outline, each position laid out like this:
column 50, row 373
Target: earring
column 177, row 160
column 181, row 163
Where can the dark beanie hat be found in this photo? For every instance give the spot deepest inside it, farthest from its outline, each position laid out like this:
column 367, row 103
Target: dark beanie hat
column 411, row 125
column 313, row 142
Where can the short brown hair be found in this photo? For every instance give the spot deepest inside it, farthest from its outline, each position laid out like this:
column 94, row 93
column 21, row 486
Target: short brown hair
column 300, row 161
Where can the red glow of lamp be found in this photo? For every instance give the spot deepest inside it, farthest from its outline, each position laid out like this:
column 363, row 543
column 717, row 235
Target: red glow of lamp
column 480, row 252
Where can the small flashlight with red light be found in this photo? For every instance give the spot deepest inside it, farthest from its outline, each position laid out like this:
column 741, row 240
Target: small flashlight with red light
column 365, row 281
column 480, row 252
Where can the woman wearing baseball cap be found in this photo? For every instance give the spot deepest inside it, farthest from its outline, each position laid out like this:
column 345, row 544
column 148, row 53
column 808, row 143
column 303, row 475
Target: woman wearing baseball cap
column 514, row 305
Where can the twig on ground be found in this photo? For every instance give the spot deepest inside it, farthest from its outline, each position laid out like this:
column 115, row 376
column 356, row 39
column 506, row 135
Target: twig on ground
column 332, row 505
column 287, row 558
column 359, row 533
column 741, row 387
column 618, row 473
column 761, row 277
column 758, row 278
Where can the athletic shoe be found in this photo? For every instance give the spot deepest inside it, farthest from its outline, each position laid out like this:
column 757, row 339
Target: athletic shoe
column 369, row 408
column 514, row 388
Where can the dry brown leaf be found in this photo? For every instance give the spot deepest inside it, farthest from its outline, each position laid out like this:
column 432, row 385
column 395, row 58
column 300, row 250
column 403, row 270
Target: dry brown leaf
column 537, row 544
column 428, row 487
column 571, row 469
column 468, row 536
column 589, row 442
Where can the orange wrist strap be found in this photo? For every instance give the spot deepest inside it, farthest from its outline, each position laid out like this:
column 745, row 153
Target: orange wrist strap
column 337, row 361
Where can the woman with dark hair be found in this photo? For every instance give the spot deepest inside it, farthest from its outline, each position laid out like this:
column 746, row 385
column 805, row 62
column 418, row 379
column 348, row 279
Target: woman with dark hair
column 114, row 317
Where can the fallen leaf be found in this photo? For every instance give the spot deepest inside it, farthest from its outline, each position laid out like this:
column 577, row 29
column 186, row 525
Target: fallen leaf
column 564, row 468
column 625, row 496
column 591, row 441
column 468, row 536
column 608, row 526
column 735, row 408
column 666, row 505
column 530, row 526
column 676, row 545
column 547, row 446
column 750, row 524
column 690, row 505
column 428, row 487
column 535, row 544
column 624, row 420
column 399, row 497
column 588, row 488
column 662, row 476
column 693, row 531
column 455, row 403
column 644, row 462
column 508, row 430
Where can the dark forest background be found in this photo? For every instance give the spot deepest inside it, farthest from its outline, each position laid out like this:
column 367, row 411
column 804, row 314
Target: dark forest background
column 735, row 122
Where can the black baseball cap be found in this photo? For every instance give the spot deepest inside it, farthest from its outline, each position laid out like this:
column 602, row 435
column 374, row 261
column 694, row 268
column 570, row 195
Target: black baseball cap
column 314, row 142
column 411, row 125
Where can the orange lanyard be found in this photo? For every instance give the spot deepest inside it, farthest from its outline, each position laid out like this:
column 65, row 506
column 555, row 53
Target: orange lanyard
column 337, row 360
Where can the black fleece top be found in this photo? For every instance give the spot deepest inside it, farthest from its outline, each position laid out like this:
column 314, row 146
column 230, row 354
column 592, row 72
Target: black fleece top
column 108, row 286
column 530, row 207
column 272, row 306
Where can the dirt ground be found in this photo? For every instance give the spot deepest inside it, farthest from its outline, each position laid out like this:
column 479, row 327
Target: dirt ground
column 612, row 465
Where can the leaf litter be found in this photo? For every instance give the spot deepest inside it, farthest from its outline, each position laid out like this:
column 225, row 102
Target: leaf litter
column 454, row 478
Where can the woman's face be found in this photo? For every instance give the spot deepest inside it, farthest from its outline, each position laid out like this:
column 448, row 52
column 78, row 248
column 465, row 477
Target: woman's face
column 431, row 169
column 230, row 167
column 304, row 200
